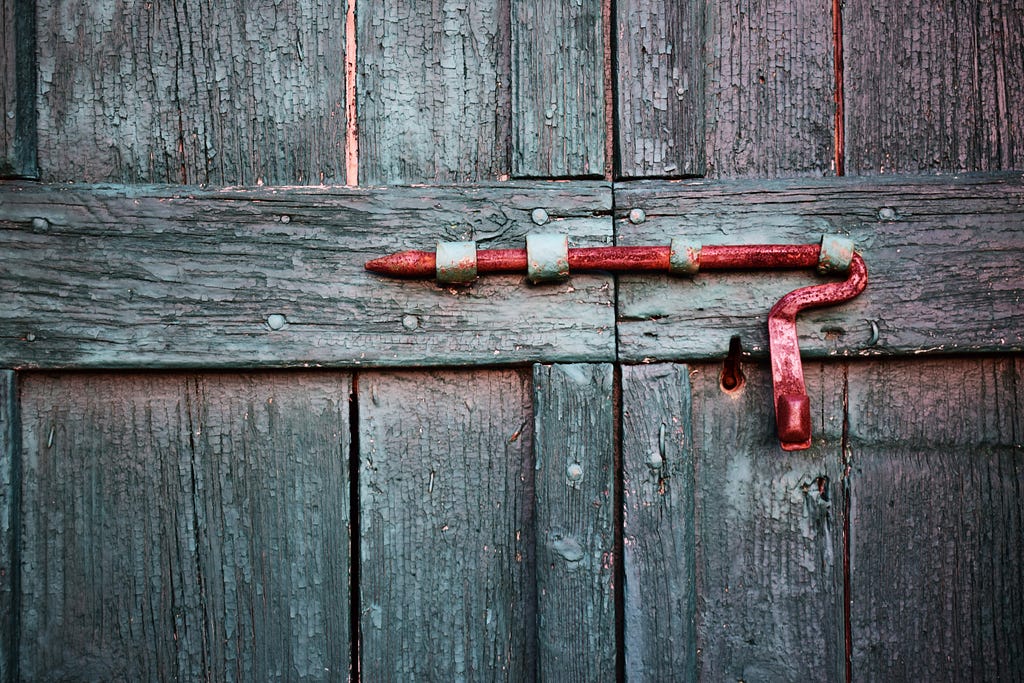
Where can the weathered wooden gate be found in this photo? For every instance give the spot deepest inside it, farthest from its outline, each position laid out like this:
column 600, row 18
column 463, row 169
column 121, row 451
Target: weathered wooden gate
column 227, row 452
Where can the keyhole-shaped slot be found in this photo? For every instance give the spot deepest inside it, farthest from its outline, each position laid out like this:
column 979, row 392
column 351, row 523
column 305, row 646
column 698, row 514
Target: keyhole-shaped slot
column 732, row 378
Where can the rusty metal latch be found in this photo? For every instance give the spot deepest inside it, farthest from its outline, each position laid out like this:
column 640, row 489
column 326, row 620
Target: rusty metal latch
column 549, row 258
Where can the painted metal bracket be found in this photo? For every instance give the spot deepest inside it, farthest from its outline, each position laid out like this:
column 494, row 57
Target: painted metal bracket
column 548, row 258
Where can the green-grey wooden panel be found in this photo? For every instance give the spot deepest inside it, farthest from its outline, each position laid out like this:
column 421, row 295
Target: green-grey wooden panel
column 192, row 92
column 8, row 86
column 433, row 91
column 725, row 89
column 9, row 476
column 558, row 108
column 943, row 255
column 660, row 88
column 937, row 519
column 934, row 87
column 17, row 88
column 446, row 525
column 185, row 527
column 165, row 277
column 658, row 524
column 770, row 532
column 770, row 88
column 575, row 517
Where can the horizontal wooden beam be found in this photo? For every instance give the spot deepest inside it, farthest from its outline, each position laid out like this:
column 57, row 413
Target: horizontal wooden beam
column 114, row 276
column 143, row 276
column 945, row 257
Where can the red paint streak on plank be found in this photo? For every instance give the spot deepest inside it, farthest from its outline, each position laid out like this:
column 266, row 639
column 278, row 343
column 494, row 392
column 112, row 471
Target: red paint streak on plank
column 840, row 124
column 351, row 111
column 609, row 93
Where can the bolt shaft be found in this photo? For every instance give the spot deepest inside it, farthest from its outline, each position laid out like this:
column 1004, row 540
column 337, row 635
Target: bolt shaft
column 618, row 259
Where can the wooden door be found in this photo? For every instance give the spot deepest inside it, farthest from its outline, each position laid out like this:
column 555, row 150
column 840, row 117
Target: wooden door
column 230, row 453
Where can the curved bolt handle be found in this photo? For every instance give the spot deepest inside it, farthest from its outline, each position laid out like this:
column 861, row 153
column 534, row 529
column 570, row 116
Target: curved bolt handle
column 792, row 406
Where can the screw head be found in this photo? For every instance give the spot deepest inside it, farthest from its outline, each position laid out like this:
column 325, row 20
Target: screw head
column 276, row 321
column 637, row 216
column 539, row 216
column 574, row 472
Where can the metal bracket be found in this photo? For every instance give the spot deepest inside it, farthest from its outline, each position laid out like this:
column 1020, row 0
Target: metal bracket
column 548, row 257
column 455, row 263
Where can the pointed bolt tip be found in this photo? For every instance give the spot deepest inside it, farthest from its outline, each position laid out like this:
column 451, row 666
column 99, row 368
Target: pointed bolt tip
column 378, row 265
column 403, row 264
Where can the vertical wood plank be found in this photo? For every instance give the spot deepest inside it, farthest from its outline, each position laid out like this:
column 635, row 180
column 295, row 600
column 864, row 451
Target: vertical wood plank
column 934, row 87
column 192, row 91
column 770, row 88
column 558, row 113
column 433, row 91
column 658, row 526
column 769, row 554
column 725, row 89
column 575, row 454
column 9, row 465
column 660, row 88
column 8, row 87
column 182, row 527
column 446, row 526
column 17, row 88
column 937, row 519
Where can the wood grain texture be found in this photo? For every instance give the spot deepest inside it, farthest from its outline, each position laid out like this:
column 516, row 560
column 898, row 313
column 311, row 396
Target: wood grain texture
column 659, row 524
column 165, row 277
column 660, row 71
column 769, row 529
column 17, row 88
column 934, row 87
column 575, row 475
column 192, row 91
column 446, row 524
column 8, row 87
column 433, row 91
column 185, row 527
column 937, row 519
column 724, row 89
column 769, row 87
column 10, row 466
column 943, row 256
column 558, row 110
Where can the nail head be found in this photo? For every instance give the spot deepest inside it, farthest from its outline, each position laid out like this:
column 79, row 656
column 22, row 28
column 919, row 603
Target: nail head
column 574, row 472
column 539, row 216
column 276, row 321
column 637, row 216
